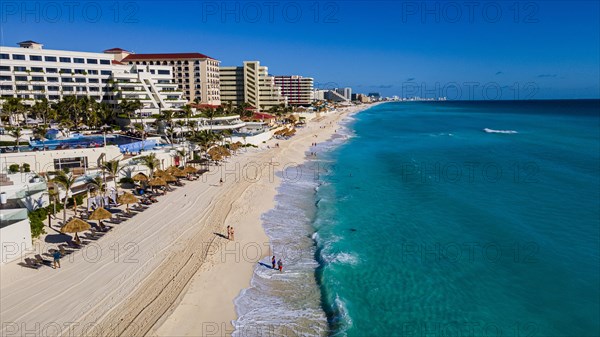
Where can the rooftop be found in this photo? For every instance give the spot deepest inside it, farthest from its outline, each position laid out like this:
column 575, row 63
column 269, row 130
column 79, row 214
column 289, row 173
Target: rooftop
column 173, row 56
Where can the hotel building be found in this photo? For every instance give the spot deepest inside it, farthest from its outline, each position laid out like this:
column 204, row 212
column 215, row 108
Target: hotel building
column 197, row 75
column 297, row 89
column 32, row 73
column 252, row 84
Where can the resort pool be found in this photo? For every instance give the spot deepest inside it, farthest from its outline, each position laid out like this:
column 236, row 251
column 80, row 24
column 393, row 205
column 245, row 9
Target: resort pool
column 125, row 143
column 81, row 142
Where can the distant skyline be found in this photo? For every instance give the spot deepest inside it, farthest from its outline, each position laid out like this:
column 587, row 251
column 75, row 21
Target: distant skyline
column 461, row 50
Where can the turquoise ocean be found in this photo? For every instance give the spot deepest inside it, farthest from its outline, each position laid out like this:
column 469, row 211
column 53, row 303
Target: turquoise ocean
column 439, row 219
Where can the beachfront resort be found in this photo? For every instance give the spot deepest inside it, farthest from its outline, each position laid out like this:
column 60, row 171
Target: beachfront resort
column 83, row 131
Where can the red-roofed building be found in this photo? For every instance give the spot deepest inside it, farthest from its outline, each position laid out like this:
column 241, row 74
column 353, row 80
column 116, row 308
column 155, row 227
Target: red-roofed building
column 197, row 75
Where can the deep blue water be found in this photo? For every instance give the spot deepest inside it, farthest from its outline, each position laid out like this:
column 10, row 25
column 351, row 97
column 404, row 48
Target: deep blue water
column 426, row 225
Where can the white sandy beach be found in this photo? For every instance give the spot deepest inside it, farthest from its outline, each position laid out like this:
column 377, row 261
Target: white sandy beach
column 167, row 271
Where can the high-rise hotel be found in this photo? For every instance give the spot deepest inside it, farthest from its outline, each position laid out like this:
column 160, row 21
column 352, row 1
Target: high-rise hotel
column 298, row 90
column 252, row 84
column 196, row 74
column 32, row 73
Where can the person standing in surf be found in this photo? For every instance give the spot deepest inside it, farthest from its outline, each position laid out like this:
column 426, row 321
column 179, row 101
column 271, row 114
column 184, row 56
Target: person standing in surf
column 273, row 261
column 280, row 264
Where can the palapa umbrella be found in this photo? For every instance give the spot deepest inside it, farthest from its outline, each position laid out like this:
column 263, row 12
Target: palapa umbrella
column 169, row 178
column 157, row 182
column 179, row 174
column 74, row 226
column 127, row 198
column 100, row 214
column 140, row 177
column 159, row 173
column 190, row 169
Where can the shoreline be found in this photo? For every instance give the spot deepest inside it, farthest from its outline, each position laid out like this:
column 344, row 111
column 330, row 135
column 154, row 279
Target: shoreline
column 133, row 280
column 207, row 304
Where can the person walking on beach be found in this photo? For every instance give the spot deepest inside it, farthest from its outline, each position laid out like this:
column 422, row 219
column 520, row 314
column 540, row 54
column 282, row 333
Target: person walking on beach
column 56, row 256
column 232, row 233
column 273, row 261
column 228, row 233
column 280, row 265
column 220, row 181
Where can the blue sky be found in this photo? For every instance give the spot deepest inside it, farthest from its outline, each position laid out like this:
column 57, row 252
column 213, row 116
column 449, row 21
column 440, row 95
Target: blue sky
column 458, row 49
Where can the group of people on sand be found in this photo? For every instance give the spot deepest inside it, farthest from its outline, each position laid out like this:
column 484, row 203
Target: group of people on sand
column 277, row 265
column 230, row 233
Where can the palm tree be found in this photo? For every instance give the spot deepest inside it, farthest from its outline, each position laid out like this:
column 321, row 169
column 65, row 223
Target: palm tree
column 40, row 132
column 112, row 167
column 17, row 133
column 210, row 113
column 41, row 108
column 204, row 139
column 66, row 180
column 12, row 106
column 97, row 184
column 127, row 107
column 151, row 162
column 187, row 111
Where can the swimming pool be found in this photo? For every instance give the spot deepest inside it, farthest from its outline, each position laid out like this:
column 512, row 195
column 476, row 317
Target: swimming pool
column 81, row 142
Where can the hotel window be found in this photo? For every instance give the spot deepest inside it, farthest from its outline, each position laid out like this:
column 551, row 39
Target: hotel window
column 53, row 88
column 67, row 88
column 93, row 72
column 21, row 78
column 65, row 59
column 6, row 87
column 5, row 78
column 80, row 89
column 4, row 68
column 66, row 80
column 37, row 79
column 53, row 97
column 105, row 80
column 22, row 87
column 65, row 71
column 4, row 56
column 92, row 61
column 104, row 61
column 50, row 58
column 80, row 80
column 52, row 79
column 75, row 162
column 18, row 57
column 17, row 68
column 35, row 58
column 38, row 87
column 37, row 70
column 164, row 72
column 93, row 80
column 94, row 89
column 78, row 60
column 79, row 71
column 105, row 72
column 51, row 70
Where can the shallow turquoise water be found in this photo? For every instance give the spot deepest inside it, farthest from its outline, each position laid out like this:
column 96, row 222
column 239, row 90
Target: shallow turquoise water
column 426, row 225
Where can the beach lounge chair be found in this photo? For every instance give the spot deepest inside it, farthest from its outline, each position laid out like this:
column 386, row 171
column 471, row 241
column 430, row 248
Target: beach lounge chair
column 73, row 245
column 40, row 260
column 63, row 251
column 30, row 263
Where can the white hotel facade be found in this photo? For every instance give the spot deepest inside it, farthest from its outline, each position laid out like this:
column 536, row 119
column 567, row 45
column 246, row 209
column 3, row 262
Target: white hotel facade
column 32, row 73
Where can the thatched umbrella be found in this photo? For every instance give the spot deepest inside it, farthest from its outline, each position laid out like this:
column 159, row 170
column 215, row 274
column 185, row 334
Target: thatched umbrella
column 157, row 182
column 169, row 178
column 140, row 177
column 172, row 169
column 74, row 226
column 179, row 173
column 158, row 173
column 127, row 198
column 190, row 169
column 100, row 214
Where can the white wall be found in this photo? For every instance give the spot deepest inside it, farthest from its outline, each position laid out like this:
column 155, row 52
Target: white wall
column 15, row 240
